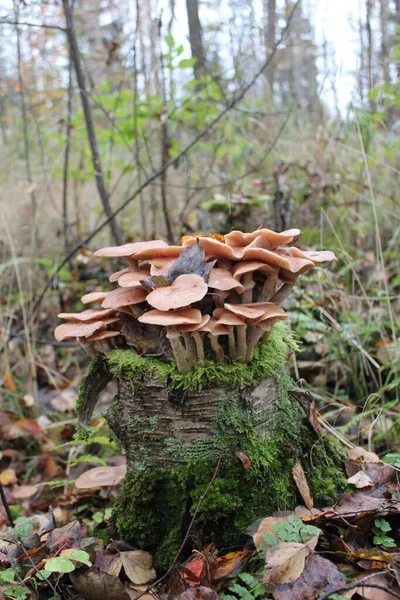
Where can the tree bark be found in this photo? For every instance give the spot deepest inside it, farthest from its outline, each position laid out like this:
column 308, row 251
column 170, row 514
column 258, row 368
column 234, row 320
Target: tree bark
column 370, row 52
column 195, row 37
column 385, row 42
column 91, row 133
column 245, row 431
column 270, row 39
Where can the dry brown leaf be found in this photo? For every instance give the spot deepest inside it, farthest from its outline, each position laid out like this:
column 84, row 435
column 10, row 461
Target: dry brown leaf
column 285, row 562
column 244, row 459
column 23, row 492
column 9, row 381
column 369, row 593
column 319, row 575
column 138, row 566
column 360, row 480
column 265, row 526
column 302, row 484
column 93, row 585
column 8, row 477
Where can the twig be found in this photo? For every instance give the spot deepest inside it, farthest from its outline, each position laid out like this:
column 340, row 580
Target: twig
column 6, row 506
column 359, row 583
column 20, row 23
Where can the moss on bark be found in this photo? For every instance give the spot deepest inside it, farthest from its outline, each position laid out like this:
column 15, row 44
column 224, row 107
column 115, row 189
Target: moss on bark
column 176, row 429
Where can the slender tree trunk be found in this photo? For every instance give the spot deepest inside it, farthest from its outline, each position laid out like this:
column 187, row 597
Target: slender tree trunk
column 385, row 42
column 270, row 38
column 361, row 70
column 87, row 110
column 24, row 116
column 67, row 149
column 195, row 37
column 370, row 51
column 397, row 22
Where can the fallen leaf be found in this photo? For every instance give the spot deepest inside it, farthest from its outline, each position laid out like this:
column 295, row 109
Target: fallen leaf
column 319, row 575
column 302, row 484
column 284, row 562
column 93, row 585
column 138, row 566
column 230, row 565
column 265, row 526
column 244, row 459
column 360, row 480
column 65, row 536
column 23, row 492
column 23, row 427
column 8, row 380
column 358, row 505
column 8, row 477
column 357, row 457
column 371, row 593
column 199, row 593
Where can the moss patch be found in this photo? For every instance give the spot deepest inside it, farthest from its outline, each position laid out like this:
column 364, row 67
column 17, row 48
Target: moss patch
column 156, row 505
column 268, row 359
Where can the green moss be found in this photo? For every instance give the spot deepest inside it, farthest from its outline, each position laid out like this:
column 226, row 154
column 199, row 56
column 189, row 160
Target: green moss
column 268, row 359
column 156, row 505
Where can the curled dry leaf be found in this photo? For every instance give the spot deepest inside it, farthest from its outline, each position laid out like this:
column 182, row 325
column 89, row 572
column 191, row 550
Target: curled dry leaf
column 302, row 484
column 284, row 563
column 138, row 567
column 360, row 480
column 244, row 459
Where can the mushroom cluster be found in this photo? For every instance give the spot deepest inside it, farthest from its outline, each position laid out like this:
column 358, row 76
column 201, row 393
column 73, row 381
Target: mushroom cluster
column 212, row 297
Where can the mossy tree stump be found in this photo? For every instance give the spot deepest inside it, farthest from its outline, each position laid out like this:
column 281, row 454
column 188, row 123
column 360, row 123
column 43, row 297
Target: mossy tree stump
column 176, row 429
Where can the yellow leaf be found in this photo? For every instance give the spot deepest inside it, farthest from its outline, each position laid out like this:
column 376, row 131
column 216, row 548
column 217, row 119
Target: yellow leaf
column 9, row 381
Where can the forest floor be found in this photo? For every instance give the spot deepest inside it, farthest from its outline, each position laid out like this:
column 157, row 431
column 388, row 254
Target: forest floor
column 55, row 533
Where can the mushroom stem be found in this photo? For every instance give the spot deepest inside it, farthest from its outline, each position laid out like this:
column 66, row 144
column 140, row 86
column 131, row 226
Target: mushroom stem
column 268, row 288
column 282, row 293
column 241, row 343
column 198, row 340
column 179, row 350
column 190, row 348
column 231, row 343
column 216, row 347
column 248, row 284
column 255, row 334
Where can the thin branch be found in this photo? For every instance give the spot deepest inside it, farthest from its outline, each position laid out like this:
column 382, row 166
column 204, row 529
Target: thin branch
column 20, row 23
column 6, row 506
column 360, row 583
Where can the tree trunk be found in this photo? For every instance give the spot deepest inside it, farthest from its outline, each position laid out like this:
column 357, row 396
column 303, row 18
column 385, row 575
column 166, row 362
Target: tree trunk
column 270, row 39
column 195, row 37
column 384, row 19
column 370, row 52
column 236, row 425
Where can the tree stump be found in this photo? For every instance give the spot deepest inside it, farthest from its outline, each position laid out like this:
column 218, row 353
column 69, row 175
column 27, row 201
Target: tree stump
column 234, row 424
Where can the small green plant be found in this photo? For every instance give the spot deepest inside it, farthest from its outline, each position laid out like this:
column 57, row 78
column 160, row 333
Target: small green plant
column 15, row 590
column 246, row 587
column 380, row 528
column 23, row 527
column 290, row 530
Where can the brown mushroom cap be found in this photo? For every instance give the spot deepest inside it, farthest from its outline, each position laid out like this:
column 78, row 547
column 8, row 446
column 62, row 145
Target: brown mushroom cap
column 215, row 249
column 194, row 326
column 215, row 328
column 183, row 291
column 115, row 276
column 93, row 297
column 178, row 317
column 101, row 477
column 124, row 297
column 89, row 315
column 67, row 331
column 102, row 334
column 132, row 278
column 159, row 252
column 317, row 256
column 224, row 317
column 272, row 239
column 248, row 266
column 128, row 250
column 278, row 257
column 222, row 280
column 161, row 266
column 257, row 311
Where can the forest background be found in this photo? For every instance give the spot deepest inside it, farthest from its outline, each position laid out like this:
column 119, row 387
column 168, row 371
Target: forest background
column 123, row 121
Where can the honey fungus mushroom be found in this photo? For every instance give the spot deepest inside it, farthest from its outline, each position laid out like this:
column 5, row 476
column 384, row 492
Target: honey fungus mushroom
column 213, row 297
